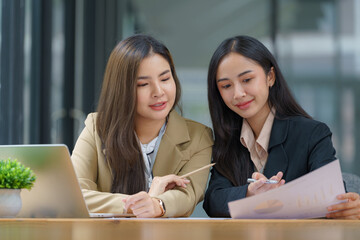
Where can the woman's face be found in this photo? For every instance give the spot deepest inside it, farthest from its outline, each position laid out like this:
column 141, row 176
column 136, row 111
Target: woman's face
column 156, row 89
column 244, row 86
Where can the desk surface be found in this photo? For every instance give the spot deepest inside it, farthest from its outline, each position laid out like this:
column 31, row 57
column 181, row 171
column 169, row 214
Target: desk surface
column 173, row 229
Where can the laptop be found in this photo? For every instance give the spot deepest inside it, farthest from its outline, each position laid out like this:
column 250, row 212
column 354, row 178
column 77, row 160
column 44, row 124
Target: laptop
column 56, row 192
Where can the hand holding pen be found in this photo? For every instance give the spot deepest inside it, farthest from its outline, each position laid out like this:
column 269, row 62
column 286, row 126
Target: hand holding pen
column 268, row 181
column 162, row 184
column 259, row 183
column 136, row 203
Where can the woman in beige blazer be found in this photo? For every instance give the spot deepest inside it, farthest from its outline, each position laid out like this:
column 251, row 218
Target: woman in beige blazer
column 132, row 151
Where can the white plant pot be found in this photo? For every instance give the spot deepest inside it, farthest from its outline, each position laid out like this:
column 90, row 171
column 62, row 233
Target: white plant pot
column 10, row 202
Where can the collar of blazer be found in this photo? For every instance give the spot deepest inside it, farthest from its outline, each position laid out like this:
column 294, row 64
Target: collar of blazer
column 277, row 159
column 169, row 155
column 279, row 130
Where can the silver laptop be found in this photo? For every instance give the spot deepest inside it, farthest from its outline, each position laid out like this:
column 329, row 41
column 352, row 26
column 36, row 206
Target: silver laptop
column 56, row 192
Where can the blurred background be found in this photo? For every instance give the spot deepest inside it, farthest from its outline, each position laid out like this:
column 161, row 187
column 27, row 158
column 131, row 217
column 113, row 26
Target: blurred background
column 54, row 52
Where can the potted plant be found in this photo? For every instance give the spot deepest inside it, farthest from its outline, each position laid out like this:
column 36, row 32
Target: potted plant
column 14, row 176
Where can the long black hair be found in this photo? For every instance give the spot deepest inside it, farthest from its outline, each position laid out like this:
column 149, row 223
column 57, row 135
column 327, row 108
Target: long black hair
column 232, row 158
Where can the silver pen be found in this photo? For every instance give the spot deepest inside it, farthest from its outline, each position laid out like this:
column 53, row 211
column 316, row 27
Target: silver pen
column 250, row 180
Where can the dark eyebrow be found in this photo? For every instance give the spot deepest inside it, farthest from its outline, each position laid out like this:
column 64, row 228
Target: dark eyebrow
column 164, row 72
column 147, row 77
column 143, row 77
column 239, row 75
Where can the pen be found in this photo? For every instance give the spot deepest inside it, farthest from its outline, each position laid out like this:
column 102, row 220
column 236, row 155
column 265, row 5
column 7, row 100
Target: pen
column 199, row 169
column 250, row 180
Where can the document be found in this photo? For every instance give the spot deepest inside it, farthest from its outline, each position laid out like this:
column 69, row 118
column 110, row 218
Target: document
column 305, row 197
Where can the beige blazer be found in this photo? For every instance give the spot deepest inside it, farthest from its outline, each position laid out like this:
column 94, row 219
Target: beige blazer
column 185, row 146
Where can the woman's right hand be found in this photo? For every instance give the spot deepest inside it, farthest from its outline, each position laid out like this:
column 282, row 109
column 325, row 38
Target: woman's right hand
column 160, row 185
column 260, row 186
column 142, row 205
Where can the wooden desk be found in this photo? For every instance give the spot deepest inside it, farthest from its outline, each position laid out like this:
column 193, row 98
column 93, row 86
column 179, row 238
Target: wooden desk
column 173, row 229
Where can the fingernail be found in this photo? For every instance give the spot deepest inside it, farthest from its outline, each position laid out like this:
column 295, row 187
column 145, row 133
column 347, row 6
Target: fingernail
column 329, row 209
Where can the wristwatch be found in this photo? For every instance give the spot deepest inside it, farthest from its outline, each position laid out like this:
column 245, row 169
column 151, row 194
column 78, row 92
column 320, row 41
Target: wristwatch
column 162, row 207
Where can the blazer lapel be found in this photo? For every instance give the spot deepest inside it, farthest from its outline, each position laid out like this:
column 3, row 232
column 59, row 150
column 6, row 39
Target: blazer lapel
column 169, row 155
column 277, row 159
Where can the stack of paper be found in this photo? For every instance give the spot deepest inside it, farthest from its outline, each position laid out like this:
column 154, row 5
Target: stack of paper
column 306, row 197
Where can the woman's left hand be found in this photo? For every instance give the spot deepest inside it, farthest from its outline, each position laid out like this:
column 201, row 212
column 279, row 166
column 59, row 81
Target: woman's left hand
column 160, row 185
column 143, row 206
column 346, row 210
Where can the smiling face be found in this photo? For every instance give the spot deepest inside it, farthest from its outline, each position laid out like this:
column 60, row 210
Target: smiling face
column 244, row 86
column 156, row 90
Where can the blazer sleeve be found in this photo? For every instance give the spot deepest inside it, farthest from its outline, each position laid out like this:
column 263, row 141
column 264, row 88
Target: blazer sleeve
column 89, row 162
column 321, row 150
column 182, row 201
column 219, row 193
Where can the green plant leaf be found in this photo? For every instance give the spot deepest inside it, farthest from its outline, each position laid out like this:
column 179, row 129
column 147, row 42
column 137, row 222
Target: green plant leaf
column 15, row 175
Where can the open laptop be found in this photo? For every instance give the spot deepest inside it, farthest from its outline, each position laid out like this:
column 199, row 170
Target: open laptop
column 56, row 192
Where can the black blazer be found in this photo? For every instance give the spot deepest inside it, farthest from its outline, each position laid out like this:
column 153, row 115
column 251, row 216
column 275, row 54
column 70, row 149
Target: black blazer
column 297, row 146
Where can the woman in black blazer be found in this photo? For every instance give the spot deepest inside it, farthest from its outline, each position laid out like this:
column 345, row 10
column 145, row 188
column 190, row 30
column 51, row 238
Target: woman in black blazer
column 246, row 91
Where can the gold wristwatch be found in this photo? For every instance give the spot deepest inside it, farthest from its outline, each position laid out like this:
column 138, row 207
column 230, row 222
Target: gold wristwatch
column 162, row 207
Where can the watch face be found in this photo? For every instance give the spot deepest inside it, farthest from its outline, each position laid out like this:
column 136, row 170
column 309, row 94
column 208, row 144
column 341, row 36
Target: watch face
column 162, row 206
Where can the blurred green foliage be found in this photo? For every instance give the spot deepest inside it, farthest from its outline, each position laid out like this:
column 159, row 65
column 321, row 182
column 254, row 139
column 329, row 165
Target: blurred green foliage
column 14, row 175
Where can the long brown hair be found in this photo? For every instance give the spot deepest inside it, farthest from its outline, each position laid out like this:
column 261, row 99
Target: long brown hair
column 117, row 108
column 232, row 158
